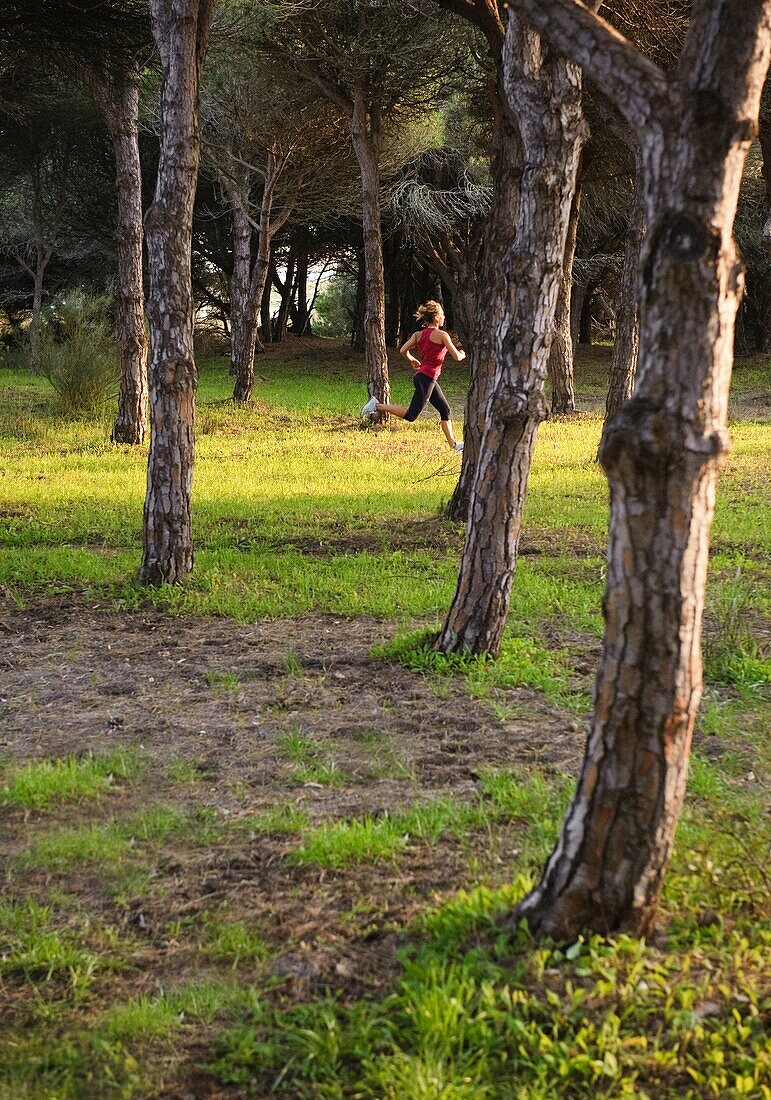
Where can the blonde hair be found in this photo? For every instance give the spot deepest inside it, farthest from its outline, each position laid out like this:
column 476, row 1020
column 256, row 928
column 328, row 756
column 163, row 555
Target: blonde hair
column 429, row 311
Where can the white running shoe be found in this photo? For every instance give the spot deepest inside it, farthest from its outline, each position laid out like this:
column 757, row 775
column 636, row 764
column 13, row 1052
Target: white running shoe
column 458, row 448
column 370, row 407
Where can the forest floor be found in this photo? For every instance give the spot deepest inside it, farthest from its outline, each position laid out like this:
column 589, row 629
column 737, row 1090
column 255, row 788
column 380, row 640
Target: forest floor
column 259, row 841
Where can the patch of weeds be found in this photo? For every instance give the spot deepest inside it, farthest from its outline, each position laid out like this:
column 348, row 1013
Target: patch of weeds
column 184, row 772
column 523, row 662
column 292, row 664
column 731, row 653
column 233, row 942
column 480, row 1010
column 44, row 783
column 297, row 746
column 217, row 678
column 104, row 845
column 312, row 765
column 32, row 948
column 361, row 840
column 372, row 839
column 157, row 1017
column 279, row 821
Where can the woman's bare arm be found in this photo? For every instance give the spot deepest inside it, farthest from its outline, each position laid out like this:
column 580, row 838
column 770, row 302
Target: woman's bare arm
column 457, row 353
column 405, row 349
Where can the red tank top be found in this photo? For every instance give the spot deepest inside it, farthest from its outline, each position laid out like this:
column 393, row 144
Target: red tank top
column 431, row 355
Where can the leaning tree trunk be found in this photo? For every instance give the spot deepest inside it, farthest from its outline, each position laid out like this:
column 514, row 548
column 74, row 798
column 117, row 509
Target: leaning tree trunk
column 623, row 363
column 180, row 28
column 117, row 97
column 662, row 454
column 365, row 134
column 561, row 356
column 545, row 92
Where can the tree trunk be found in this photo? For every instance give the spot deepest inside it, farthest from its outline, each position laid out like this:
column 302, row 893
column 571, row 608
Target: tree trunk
column 180, row 28
column 662, row 454
column 287, row 291
column 243, row 310
column 37, row 316
column 249, row 278
column 545, row 92
column 360, row 304
column 585, row 316
column 491, row 291
column 303, row 314
column 764, row 134
column 623, row 364
column 117, row 98
column 563, row 394
column 266, row 321
column 366, row 136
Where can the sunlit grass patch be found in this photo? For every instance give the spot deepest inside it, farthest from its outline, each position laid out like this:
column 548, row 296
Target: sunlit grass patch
column 105, row 844
column 503, row 796
column 280, row 820
column 158, row 1016
column 480, row 1010
column 233, row 942
column 523, row 662
column 31, row 947
column 44, row 783
column 312, row 761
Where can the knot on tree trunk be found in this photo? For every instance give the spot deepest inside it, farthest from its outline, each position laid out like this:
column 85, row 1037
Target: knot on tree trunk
column 512, row 404
column 683, row 238
column 653, row 439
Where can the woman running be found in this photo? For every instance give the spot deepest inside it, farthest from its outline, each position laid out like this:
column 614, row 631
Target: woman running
column 433, row 344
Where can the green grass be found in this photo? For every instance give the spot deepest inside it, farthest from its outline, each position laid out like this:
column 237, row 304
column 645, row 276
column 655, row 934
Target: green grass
column 296, row 467
column 45, row 783
column 503, row 796
column 297, row 511
column 107, row 844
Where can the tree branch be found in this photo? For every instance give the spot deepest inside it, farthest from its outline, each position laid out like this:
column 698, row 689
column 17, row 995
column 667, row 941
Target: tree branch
column 484, row 14
column 637, row 87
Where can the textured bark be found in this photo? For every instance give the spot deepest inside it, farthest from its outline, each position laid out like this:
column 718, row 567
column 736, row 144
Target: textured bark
column 266, row 321
column 286, row 289
column 764, row 133
column 662, row 454
column 180, row 28
column 250, row 275
column 117, row 97
column 561, row 356
column 545, row 93
column 490, row 287
column 623, row 363
column 246, row 286
column 367, row 140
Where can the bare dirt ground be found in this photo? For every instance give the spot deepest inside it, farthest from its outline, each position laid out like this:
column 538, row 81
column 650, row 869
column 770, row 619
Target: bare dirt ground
column 221, row 701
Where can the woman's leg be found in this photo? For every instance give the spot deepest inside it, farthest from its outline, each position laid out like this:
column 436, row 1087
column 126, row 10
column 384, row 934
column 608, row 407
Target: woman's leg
column 441, row 404
column 394, row 410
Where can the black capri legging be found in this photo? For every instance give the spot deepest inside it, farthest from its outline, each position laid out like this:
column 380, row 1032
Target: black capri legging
column 427, row 390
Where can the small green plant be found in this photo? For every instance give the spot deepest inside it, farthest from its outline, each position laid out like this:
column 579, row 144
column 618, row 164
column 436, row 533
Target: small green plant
column 78, row 354
column 279, row 821
column 45, row 783
column 234, row 942
column 106, row 845
column 217, row 678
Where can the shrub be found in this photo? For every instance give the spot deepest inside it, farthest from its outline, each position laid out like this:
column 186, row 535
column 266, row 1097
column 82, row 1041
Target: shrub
column 78, row 353
column 334, row 308
column 209, row 340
